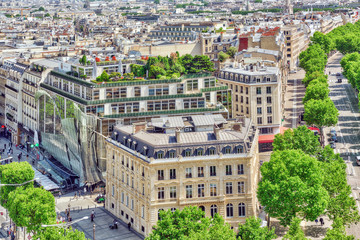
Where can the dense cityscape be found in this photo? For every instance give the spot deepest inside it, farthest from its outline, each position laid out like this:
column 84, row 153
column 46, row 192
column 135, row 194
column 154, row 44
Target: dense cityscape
column 178, row 119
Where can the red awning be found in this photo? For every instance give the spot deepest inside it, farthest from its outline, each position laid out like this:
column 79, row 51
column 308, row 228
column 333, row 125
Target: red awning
column 270, row 137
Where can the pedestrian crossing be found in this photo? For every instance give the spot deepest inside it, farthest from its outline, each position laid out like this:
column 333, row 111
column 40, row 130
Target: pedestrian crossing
column 335, row 81
column 347, row 151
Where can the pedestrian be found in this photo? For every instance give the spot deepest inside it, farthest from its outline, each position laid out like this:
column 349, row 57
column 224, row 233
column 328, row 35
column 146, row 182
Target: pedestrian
column 129, row 226
column 316, row 221
column 75, row 196
column 79, row 193
column 33, row 162
column 84, row 190
column 322, row 221
column 92, row 217
column 59, row 195
column 93, row 213
column 8, row 231
column 27, row 157
column 4, row 145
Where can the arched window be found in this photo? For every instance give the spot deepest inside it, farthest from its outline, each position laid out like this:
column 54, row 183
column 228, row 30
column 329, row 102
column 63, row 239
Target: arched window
column 229, row 210
column 241, row 209
column 213, row 210
column 159, row 218
column 202, row 208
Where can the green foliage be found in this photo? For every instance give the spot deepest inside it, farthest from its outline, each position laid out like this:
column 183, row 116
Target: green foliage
column 321, row 113
column 41, row 9
column 155, row 71
column 318, row 91
column 31, row 207
column 348, row 43
column 231, row 51
column 258, row 1
column 196, row 64
column 291, row 186
column 252, row 230
column 157, row 1
column 338, row 231
column 138, row 70
column 104, row 77
column 309, row 77
column 223, row 56
column 14, row 173
column 313, row 59
column 300, row 138
column 56, row 233
column 83, row 60
column 323, row 40
column 295, row 232
column 351, row 68
column 190, row 223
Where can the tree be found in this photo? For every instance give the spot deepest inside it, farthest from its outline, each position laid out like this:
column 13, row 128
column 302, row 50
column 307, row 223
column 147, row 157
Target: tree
column 190, row 224
column 252, row 230
column 321, row 113
column 104, row 77
column 338, row 231
column 14, row 173
column 318, row 91
column 291, row 186
column 202, row 63
column 295, row 232
column 41, row 9
column 231, row 51
column 223, row 56
column 32, row 207
column 156, row 72
column 309, row 77
column 323, row 40
column 157, row 1
column 56, row 233
column 348, row 43
column 300, row 138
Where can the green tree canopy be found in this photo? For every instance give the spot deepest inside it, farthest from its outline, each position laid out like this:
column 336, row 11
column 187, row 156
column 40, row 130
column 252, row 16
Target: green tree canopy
column 295, row 232
column 231, row 51
column 300, row 138
column 318, row 91
column 309, row 77
column 348, row 43
column 338, row 231
column 31, row 207
column 323, row 40
column 252, row 230
column 56, row 233
column 291, row 186
column 190, row 223
column 223, row 56
column 321, row 113
column 14, row 173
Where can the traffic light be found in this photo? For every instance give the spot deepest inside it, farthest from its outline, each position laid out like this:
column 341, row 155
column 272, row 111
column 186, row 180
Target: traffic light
column 36, row 144
column 32, row 145
column 2, row 126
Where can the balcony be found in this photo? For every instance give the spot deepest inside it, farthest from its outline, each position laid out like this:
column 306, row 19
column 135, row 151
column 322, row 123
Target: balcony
column 188, row 175
column 172, row 176
column 214, row 89
column 160, row 177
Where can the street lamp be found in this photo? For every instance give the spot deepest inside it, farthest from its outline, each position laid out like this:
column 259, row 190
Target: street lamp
column 65, row 225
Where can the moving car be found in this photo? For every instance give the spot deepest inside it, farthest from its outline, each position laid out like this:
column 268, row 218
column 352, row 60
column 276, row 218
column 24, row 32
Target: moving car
column 338, row 74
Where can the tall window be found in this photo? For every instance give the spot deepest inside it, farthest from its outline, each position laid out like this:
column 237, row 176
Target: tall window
column 192, row 85
column 229, row 210
column 259, row 110
column 259, row 120
column 241, row 169
column 269, row 110
column 211, row 151
column 229, row 188
column 172, row 192
column 122, row 197
column 173, row 173
column 212, row 170
column 160, row 174
column 258, row 100
column 188, row 191
column 268, row 90
column 242, row 212
column 213, row 210
column 241, row 187
column 213, row 192
column 143, row 211
column 200, row 171
column 113, row 190
column 188, row 173
column 161, row 193
column 258, row 90
column 268, row 99
column 269, row 119
column 201, row 190
column 228, row 170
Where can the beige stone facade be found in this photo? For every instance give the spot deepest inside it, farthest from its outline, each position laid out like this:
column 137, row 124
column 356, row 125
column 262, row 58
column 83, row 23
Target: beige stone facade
column 138, row 186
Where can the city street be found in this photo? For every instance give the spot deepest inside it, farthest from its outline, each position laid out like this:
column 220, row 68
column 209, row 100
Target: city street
column 348, row 127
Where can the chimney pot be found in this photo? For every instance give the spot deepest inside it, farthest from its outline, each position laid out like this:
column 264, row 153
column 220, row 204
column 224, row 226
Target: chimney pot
column 217, row 132
column 178, row 135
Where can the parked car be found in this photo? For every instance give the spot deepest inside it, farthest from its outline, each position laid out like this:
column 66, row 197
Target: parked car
column 358, row 160
column 339, row 80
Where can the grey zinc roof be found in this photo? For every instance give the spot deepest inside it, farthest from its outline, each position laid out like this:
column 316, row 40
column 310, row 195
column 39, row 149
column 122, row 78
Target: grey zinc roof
column 173, row 122
column 208, row 120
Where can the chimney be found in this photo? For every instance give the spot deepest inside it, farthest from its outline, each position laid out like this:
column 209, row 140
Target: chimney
column 217, row 132
column 242, row 120
column 178, row 135
column 137, row 127
column 237, row 126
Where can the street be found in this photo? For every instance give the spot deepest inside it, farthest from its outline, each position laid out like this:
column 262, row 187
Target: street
column 348, row 127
